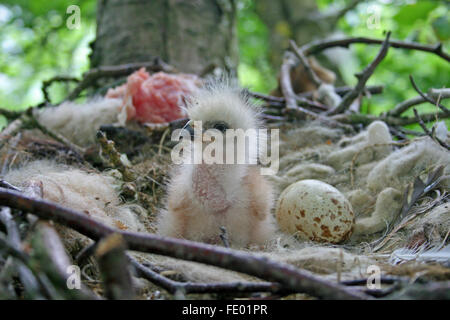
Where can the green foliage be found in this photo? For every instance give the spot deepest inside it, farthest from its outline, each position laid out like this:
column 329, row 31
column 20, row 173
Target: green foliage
column 408, row 20
column 255, row 71
column 36, row 45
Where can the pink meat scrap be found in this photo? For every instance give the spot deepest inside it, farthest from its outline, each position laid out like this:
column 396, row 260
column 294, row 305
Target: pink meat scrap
column 155, row 98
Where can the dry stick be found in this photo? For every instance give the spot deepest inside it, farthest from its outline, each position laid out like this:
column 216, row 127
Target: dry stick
column 115, row 157
column 50, row 253
column 428, row 132
column 288, row 92
column 51, row 257
column 9, row 114
column 7, row 185
column 10, row 131
column 410, row 132
column 365, row 119
column 362, row 79
column 114, row 270
column 288, row 276
column 432, row 94
column 427, row 291
column 28, row 280
column 117, row 71
column 224, row 237
column 428, row 99
column 173, row 287
column 47, row 83
column 299, row 53
column 291, row 99
column 280, row 101
column 33, row 121
column 318, row 46
column 47, row 288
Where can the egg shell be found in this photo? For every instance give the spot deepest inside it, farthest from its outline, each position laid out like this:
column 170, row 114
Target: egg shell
column 314, row 210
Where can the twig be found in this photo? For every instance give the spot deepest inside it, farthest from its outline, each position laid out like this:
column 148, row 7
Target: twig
column 28, row 280
column 304, row 61
column 286, row 85
column 172, row 286
column 280, row 101
column 49, row 255
column 291, row 100
column 224, row 237
column 365, row 119
column 86, row 252
column 46, row 288
column 428, row 132
column 12, row 128
column 115, row 157
column 410, row 132
column 7, row 185
column 47, row 83
column 318, row 46
column 432, row 94
column 288, row 276
column 9, row 114
column 428, row 291
column 427, row 98
column 113, row 264
column 34, row 122
column 92, row 75
column 362, row 79
column 363, row 281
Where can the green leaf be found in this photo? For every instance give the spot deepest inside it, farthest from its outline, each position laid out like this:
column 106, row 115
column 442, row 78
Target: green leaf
column 441, row 28
column 409, row 14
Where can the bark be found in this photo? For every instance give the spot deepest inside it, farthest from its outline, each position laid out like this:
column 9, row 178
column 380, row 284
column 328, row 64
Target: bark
column 190, row 35
column 290, row 19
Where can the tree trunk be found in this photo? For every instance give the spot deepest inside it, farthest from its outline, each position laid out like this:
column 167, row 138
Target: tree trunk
column 190, row 35
column 299, row 20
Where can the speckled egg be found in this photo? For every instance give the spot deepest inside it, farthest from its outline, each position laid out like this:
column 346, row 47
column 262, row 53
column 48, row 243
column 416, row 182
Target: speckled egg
column 314, row 210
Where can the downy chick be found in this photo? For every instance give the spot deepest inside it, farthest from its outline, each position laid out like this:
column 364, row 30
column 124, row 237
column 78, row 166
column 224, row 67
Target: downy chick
column 202, row 198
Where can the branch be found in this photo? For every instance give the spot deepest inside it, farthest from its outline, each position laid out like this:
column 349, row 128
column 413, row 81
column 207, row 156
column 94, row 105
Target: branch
column 432, row 94
column 47, row 83
column 113, row 264
column 304, row 61
column 291, row 98
column 318, row 46
column 173, row 287
column 365, row 119
column 286, row 85
column 49, row 256
column 34, row 122
column 288, row 276
column 115, row 157
column 12, row 128
column 46, row 288
column 428, row 99
column 428, row 132
column 93, row 75
column 28, row 280
column 362, row 79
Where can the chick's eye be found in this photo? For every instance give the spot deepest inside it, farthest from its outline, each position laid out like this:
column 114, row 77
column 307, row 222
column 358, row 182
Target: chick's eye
column 222, row 127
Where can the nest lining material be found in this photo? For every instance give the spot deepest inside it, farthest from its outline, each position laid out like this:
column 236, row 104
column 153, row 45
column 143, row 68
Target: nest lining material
column 369, row 168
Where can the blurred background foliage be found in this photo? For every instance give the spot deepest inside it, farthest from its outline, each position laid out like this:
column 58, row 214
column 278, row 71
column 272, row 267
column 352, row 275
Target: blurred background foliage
column 36, row 45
